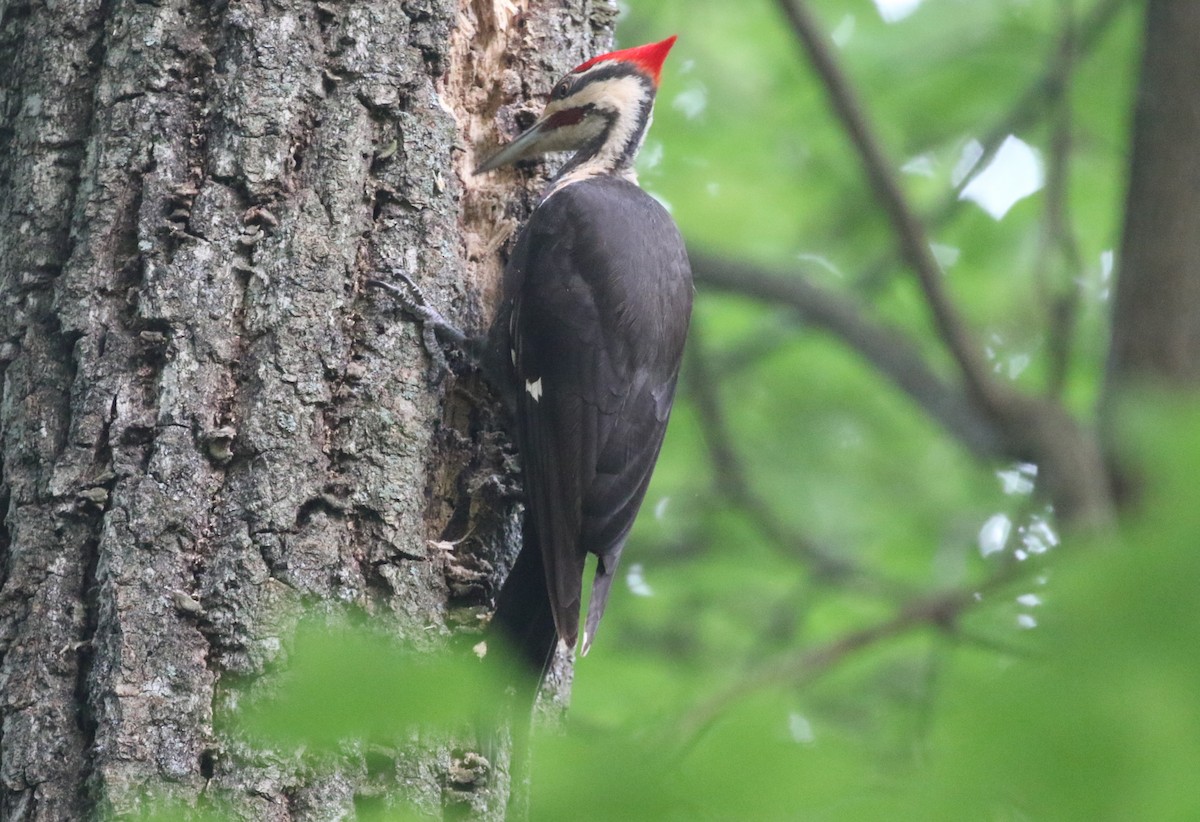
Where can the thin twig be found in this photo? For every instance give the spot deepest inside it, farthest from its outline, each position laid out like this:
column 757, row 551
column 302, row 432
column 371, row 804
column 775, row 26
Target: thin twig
column 1043, row 93
column 732, row 484
column 1059, row 242
column 1035, row 428
column 941, row 611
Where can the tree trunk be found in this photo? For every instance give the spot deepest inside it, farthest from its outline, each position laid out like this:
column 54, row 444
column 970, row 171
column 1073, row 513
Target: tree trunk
column 208, row 423
column 1156, row 302
column 1156, row 322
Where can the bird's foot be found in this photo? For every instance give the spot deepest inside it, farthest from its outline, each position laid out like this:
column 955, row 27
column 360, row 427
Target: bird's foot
column 434, row 327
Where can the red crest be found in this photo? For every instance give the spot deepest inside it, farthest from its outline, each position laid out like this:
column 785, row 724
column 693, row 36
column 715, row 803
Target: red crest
column 649, row 58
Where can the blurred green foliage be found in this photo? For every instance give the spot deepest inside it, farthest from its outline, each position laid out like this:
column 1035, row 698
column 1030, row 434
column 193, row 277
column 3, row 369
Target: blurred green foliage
column 753, row 165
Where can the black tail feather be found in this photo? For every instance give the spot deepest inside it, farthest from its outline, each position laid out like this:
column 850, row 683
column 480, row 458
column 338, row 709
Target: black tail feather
column 524, row 621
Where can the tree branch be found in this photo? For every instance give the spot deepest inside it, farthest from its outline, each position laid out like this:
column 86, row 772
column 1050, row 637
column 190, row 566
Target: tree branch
column 1034, row 429
column 888, row 350
column 942, row 611
column 910, row 233
column 1044, row 92
column 732, row 483
column 1156, row 303
column 1074, row 42
column 1059, row 244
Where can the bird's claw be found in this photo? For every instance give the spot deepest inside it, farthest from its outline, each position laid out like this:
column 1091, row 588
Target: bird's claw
column 412, row 301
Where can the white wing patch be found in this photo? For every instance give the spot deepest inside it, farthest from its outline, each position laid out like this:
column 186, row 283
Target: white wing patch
column 534, row 389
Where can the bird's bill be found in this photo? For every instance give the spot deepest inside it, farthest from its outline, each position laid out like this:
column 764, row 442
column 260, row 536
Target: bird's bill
column 528, row 144
column 560, row 128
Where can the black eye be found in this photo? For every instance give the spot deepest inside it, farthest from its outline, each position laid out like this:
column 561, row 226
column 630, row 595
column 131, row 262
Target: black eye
column 560, row 91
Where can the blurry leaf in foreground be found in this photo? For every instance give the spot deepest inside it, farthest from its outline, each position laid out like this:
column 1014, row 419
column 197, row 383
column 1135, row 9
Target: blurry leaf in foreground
column 741, row 772
column 350, row 683
column 1100, row 721
column 157, row 810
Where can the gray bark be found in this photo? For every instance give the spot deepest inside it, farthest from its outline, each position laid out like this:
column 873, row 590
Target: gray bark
column 208, row 424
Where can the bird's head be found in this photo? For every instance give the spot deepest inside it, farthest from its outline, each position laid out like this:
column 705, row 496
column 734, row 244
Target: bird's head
column 603, row 105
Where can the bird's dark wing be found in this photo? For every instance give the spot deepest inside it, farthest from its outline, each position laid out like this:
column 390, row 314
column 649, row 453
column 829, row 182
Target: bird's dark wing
column 599, row 317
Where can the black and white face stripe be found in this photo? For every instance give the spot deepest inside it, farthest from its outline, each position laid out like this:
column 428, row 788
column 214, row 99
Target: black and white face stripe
column 574, row 82
column 601, row 110
column 605, row 111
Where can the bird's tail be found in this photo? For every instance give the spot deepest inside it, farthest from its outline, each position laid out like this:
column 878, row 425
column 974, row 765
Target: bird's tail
column 523, row 623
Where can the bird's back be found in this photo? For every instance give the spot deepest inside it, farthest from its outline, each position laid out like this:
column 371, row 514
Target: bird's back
column 601, row 292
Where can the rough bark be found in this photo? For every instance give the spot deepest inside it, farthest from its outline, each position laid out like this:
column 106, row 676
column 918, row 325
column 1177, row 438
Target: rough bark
column 208, row 424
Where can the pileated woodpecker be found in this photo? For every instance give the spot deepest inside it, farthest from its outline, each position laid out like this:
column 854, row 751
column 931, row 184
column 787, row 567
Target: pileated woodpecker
column 597, row 299
column 587, row 344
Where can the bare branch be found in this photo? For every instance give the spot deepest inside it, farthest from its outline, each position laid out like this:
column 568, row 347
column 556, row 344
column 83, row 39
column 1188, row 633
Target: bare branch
column 888, row 350
column 910, row 233
column 732, row 483
column 941, row 611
